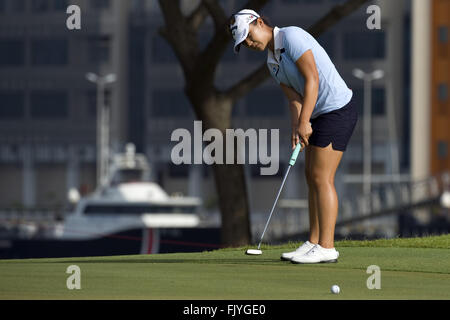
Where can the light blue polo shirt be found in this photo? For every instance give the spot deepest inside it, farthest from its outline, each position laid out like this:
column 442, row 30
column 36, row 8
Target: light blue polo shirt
column 290, row 44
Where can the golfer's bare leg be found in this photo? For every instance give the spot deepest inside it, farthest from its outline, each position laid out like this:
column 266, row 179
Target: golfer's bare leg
column 324, row 163
column 312, row 201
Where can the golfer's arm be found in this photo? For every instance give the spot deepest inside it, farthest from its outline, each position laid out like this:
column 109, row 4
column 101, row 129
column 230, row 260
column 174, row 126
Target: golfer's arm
column 307, row 67
column 295, row 104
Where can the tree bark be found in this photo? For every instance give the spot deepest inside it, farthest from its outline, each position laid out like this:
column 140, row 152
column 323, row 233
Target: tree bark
column 232, row 192
column 215, row 112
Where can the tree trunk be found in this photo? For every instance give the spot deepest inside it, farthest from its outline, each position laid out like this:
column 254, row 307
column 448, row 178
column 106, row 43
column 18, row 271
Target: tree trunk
column 230, row 184
column 215, row 112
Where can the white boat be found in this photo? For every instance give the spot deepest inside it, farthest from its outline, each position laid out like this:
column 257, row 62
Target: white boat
column 128, row 215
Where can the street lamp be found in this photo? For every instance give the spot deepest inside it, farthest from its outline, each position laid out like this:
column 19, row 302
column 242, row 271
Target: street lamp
column 103, row 117
column 367, row 126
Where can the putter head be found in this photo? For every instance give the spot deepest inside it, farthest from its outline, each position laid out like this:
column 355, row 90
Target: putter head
column 253, row 252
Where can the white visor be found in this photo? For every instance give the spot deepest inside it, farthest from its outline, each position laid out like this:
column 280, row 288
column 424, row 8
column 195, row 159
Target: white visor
column 239, row 29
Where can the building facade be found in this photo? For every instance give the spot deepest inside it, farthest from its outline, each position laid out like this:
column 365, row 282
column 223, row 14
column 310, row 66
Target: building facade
column 48, row 108
column 440, row 79
column 48, row 113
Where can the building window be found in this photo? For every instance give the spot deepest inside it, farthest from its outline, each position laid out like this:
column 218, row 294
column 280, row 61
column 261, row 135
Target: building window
column 236, row 111
column 40, row 5
column 267, row 103
column 179, row 171
column 12, row 52
column 443, row 92
column 364, row 45
column 99, row 50
column 60, row 5
column 49, row 104
column 170, row 104
column 162, row 52
column 326, row 40
column 378, row 101
column 302, row 1
column 443, row 34
column 229, row 55
column 49, row 52
column 100, row 4
column 442, row 149
column 12, row 105
column 18, row 6
column 253, row 55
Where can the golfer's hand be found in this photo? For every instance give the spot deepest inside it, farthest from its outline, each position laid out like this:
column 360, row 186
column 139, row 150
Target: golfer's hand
column 304, row 131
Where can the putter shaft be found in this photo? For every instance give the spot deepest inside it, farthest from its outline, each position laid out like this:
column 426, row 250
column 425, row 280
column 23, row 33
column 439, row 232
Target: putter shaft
column 276, row 200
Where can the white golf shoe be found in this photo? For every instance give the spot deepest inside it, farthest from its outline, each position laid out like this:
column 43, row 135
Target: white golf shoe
column 317, row 255
column 304, row 248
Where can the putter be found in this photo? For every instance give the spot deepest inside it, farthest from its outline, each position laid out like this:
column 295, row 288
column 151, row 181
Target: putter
column 291, row 163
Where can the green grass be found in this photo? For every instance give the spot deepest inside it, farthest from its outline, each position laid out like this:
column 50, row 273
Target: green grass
column 416, row 268
column 436, row 242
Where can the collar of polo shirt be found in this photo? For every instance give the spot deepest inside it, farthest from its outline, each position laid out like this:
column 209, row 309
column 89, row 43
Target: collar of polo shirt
column 274, row 57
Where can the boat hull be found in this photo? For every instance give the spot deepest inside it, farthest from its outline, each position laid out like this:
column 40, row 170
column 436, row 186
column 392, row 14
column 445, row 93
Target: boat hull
column 129, row 242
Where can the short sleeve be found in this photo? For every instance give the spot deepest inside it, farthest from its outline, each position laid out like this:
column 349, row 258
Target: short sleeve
column 296, row 43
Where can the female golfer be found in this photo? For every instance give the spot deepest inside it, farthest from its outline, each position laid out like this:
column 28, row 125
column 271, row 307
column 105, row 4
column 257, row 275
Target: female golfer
column 322, row 118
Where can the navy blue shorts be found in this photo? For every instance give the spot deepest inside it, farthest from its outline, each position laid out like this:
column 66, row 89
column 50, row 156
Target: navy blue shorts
column 335, row 127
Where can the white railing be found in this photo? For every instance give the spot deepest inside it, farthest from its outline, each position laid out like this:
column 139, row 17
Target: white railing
column 388, row 199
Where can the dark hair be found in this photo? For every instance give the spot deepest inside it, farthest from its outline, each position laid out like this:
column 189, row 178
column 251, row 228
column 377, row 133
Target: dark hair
column 265, row 20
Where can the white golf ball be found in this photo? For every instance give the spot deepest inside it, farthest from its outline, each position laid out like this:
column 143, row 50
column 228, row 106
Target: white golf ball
column 335, row 289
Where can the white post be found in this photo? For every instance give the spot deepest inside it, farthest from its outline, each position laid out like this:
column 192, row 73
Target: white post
column 394, row 82
column 367, row 127
column 100, row 122
column 29, row 181
column 105, row 144
column 420, row 91
column 367, row 146
column 103, row 123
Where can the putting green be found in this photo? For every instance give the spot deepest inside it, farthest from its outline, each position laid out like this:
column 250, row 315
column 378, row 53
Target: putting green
column 406, row 273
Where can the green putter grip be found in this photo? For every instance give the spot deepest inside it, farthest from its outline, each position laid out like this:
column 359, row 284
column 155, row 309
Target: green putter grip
column 295, row 154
